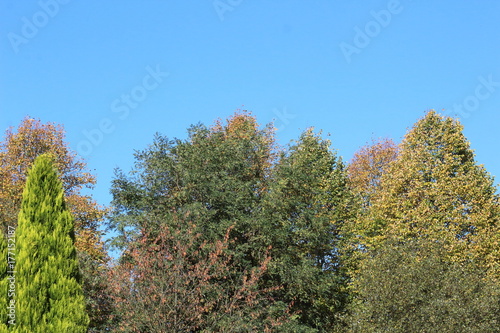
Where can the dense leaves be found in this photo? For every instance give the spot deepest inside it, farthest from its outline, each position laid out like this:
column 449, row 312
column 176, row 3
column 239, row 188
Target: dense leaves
column 49, row 296
column 436, row 190
column 175, row 285
column 409, row 287
column 4, row 285
column 19, row 150
column 367, row 167
column 227, row 232
column 218, row 174
column 305, row 209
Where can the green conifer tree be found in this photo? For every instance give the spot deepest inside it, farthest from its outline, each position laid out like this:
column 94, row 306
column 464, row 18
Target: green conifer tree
column 49, row 293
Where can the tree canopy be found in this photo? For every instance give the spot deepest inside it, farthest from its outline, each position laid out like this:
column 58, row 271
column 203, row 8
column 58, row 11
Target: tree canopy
column 227, row 231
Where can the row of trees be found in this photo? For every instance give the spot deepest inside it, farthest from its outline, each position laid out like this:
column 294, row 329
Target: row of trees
column 225, row 231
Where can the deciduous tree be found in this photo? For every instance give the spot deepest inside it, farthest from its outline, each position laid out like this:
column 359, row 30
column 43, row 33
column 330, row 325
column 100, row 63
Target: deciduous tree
column 304, row 211
column 218, row 174
column 436, row 190
column 19, row 150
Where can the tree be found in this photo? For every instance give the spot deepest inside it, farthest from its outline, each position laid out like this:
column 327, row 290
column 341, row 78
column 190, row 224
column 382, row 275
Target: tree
column 411, row 287
column 49, row 295
column 98, row 293
column 304, row 211
column 436, row 190
column 19, row 150
column 367, row 167
column 218, row 174
column 229, row 176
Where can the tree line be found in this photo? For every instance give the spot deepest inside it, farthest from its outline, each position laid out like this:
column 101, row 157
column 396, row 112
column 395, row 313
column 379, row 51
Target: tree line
column 227, row 231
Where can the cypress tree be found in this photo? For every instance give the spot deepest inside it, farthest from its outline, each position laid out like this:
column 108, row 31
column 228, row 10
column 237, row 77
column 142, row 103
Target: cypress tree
column 49, row 293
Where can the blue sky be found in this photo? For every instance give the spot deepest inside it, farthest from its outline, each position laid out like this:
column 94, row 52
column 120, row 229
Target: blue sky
column 115, row 72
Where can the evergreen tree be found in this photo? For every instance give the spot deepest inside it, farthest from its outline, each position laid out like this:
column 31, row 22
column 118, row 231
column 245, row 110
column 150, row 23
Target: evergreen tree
column 18, row 151
column 49, row 294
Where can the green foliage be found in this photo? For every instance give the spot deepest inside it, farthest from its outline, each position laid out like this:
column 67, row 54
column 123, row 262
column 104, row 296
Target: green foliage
column 228, row 176
column 410, row 287
column 49, row 294
column 389, row 248
column 306, row 207
column 18, row 151
column 217, row 175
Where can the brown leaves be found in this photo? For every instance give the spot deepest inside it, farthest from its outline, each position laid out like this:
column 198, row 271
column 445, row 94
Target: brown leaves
column 172, row 282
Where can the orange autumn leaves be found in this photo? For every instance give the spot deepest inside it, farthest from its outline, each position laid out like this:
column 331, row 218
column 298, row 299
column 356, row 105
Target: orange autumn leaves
column 18, row 150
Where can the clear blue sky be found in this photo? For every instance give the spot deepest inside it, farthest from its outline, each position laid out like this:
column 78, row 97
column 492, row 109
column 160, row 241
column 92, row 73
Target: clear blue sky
column 356, row 69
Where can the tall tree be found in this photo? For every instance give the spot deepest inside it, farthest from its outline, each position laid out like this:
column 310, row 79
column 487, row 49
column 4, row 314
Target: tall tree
column 436, row 190
column 218, row 176
column 49, row 295
column 229, row 174
column 306, row 207
column 365, row 172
